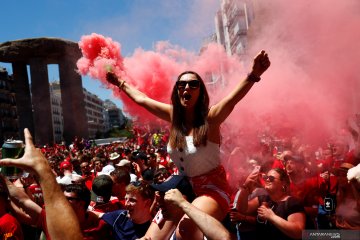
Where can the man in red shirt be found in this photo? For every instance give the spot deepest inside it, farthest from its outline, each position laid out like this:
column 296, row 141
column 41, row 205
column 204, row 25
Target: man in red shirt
column 9, row 226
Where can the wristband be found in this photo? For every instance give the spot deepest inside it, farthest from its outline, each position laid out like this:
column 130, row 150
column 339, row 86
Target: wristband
column 252, row 78
column 245, row 187
column 121, row 85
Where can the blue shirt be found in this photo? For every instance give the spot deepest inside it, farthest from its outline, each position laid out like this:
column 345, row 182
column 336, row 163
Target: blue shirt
column 123, row 227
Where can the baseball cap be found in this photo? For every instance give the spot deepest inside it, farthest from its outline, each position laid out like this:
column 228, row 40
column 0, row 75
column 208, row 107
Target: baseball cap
column 101, row 189
column 65, row 164
column 179, row 182
column 107, row 170
column 123, row 162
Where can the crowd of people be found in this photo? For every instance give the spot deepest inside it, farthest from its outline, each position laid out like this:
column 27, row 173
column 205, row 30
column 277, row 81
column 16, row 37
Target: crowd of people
column 117, row 183
column 173, row 184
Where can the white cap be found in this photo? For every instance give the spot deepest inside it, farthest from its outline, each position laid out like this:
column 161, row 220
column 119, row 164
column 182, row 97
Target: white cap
column 107, row 170
column 114, row 156
column 124, row 162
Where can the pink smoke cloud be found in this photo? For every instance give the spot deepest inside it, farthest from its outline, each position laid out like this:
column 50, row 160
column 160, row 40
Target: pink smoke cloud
column 309, row 90
column 151, row 72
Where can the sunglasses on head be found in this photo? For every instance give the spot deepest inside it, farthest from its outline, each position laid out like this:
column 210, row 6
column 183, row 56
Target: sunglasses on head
column 192, row 84
column 268, row 178
column 139, row 184
column 136, row 184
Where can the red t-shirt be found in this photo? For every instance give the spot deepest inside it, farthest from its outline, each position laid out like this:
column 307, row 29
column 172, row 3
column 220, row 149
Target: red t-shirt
column 88, row 181
column 10, row 228
column 36, row 194
column 113, row 205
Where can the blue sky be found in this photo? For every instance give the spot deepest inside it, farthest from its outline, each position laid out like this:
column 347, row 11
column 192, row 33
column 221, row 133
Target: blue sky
column 132, row 23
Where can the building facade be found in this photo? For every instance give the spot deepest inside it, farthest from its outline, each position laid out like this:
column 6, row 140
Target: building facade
column 9, row 127
column 95, row 114
column 56, row 111
column 114, row 115
column 232, row 22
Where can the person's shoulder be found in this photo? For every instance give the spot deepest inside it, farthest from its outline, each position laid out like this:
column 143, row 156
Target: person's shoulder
column 111, row 217
column 294, row 204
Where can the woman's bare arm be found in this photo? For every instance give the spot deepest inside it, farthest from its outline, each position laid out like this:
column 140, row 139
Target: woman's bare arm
column 159, row 109
column 220, row 111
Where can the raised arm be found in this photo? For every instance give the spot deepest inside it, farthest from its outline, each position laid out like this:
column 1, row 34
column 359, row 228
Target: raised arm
column 243, row 205
column 159, row 109
column 61, row 220
column 207, row 224
column 26, row 210
column 220, row 111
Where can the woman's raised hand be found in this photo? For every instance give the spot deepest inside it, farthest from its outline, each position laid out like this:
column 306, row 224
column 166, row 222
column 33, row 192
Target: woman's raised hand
column 112, row 78
column 261, row 64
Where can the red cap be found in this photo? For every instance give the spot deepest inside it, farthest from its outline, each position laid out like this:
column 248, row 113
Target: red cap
column 65, row 164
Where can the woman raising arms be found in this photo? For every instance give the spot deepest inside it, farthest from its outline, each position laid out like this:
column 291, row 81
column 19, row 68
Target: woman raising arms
column 194, row 143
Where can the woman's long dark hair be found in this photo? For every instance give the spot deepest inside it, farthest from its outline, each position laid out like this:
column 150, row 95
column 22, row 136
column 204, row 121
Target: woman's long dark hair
column 200, row 125
column 284, row 178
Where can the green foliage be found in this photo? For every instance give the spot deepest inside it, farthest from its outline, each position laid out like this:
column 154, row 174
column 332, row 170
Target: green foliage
column 116, row 132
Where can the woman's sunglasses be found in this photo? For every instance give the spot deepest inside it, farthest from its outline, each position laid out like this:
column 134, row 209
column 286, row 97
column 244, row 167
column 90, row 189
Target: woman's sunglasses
column 268, row 178
column 192, row 84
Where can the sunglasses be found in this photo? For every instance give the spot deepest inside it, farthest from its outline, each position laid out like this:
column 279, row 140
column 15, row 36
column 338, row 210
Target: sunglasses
column 192, row 84
column 268, row 178
column 139, row 184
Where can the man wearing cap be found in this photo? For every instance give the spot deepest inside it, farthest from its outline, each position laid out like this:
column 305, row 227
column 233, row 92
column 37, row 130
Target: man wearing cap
column 101, row 200
column 110, row 166
column 69, row 175
column 114, row 158
column 124, row 163
column 174, row 196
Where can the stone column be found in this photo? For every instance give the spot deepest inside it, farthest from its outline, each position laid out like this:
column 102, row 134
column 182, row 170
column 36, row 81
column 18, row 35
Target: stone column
column 72, row 97
column 41, row 101
column 23, row 98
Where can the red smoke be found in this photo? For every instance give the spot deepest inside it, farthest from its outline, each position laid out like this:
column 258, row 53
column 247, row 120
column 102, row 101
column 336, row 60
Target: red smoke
column 310, row 88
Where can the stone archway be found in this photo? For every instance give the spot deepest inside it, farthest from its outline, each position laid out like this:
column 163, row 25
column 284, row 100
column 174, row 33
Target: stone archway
column 35, row 111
